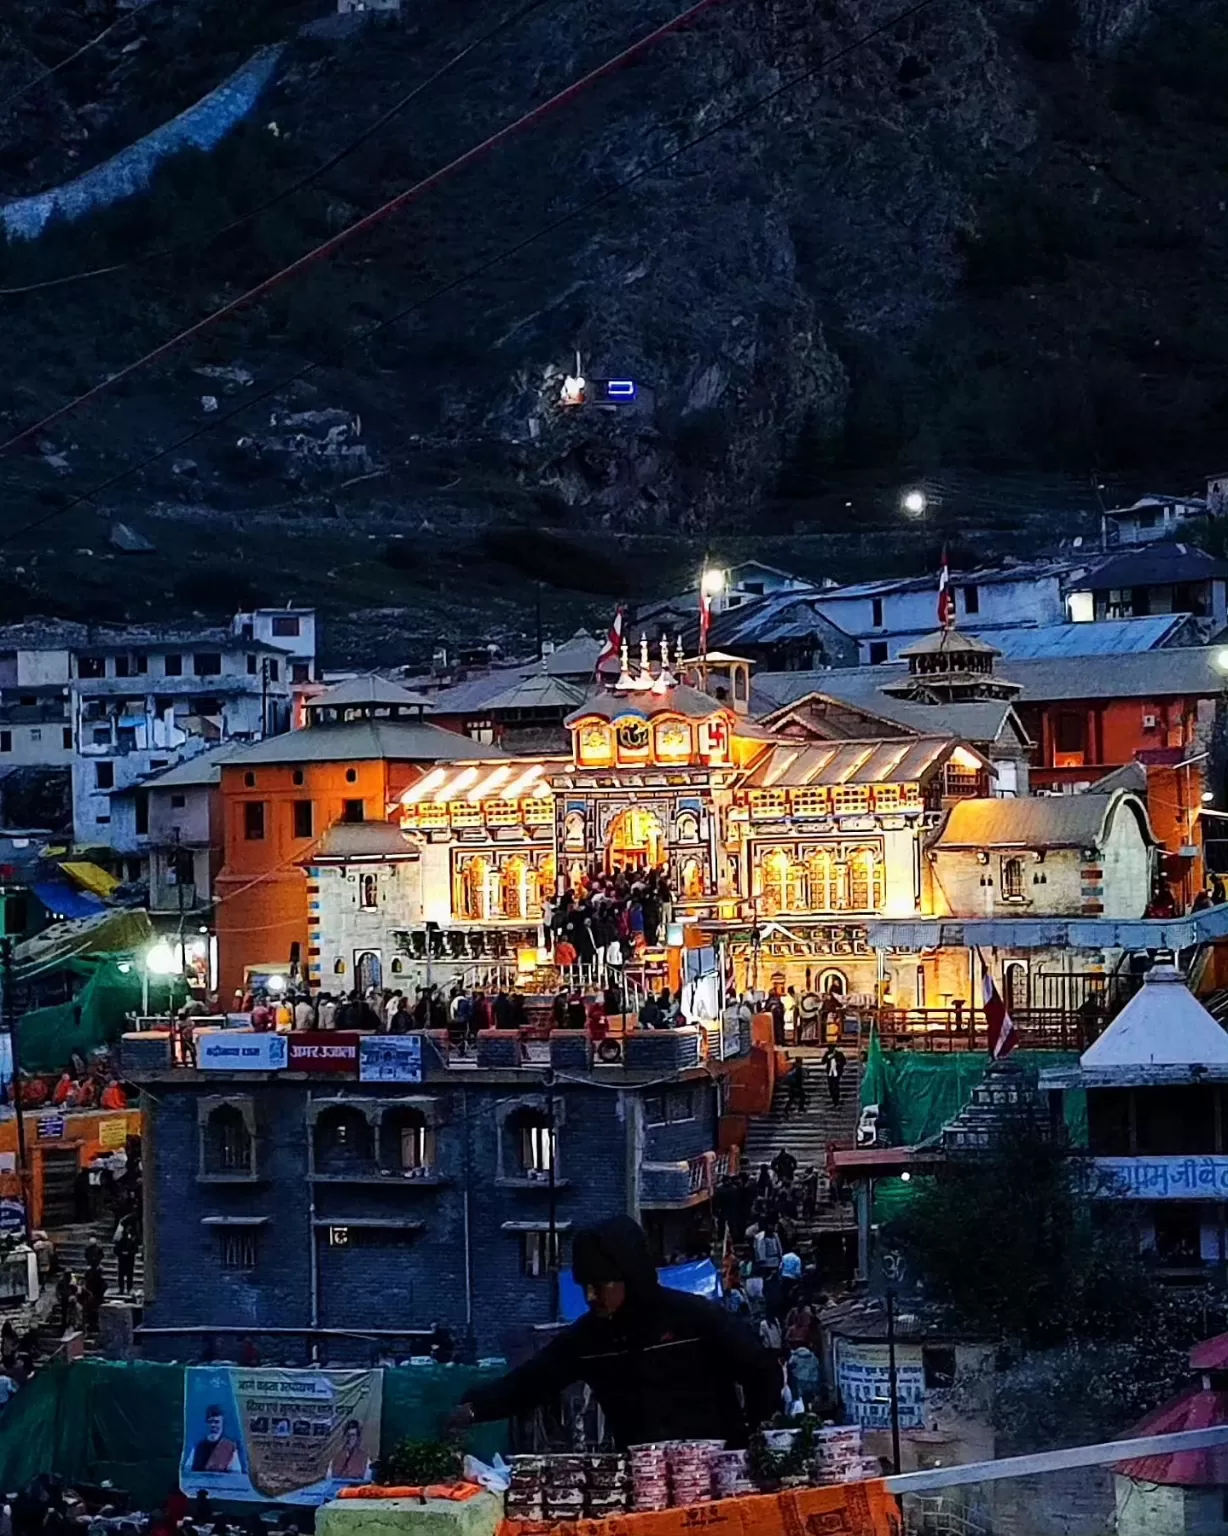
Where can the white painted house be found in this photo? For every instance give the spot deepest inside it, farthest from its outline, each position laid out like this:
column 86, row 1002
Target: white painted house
column 886, row 616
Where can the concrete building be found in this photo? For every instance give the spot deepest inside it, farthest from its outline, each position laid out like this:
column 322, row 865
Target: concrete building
column 1155, row 1083
column 1161, row 578
column 337, row 1214
column 885, row 616
column 1154, row 517
column 184, row 837
column 292, row 630
column 1060, row 856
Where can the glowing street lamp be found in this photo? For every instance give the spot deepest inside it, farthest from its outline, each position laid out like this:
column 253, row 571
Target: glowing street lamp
column 914, row 502
column 159, row 960
column 712, row 582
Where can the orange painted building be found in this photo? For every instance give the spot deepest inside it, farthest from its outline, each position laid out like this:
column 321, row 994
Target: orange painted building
column 1155, row 709
column 351, row 763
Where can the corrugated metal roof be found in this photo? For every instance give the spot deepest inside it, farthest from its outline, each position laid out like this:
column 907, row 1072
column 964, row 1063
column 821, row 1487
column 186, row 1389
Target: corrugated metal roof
column 366, row 740
column 203, row 769
column 1043, row 821
column 774, row 617
column 904, row 760
column 980, row 722
column 538, row 692
column 1145, row 674
column 1029, row 570
column 364, row 840
column 1106, row 637
column 1158, row 564
column 1195, row 1408
column 369, row 688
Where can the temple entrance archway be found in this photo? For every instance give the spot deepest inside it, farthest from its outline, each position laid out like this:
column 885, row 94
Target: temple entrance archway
column 636, row 840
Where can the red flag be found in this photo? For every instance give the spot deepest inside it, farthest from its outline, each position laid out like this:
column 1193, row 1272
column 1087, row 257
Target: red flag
column 1003, row 1036
column 946, row 598
column 613, row 643
column 705, row 620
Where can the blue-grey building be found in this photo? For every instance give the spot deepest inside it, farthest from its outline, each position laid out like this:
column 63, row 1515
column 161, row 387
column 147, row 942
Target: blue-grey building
column 315, row 1211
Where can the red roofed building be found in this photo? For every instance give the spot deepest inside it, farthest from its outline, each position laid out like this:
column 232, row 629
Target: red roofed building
column 1184, row 1493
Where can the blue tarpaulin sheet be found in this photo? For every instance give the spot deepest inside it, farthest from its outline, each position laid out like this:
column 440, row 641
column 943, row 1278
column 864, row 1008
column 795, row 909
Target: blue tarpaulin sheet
column 65, row 900
column 699, row 1278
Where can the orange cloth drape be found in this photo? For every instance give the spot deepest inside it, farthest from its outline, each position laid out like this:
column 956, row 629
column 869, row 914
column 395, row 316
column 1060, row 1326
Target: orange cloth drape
column 844, row 1509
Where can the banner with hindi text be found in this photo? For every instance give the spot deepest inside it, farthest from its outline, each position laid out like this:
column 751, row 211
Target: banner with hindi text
column 293, row 1436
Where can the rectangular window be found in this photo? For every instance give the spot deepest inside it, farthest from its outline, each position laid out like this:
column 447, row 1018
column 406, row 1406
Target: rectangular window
column 303, row 819
column 654, row 1109
column 537, row 1149
column 681, row 1106
column 122, row 668
column 102, row 735
column 140, row 663
column 207, row 664
column 938, row 1364
column 173, row 666
column 104, row 775
column 1012, row 879
column 251, row 665
column 972, row 600
column 6, row 741
column 36, row 733
column 848, row 799
column 961, row 782
column 238, row 1249
column 878, row 652
column 1070, row 731
column 253, row 820
column 416, row 1148
column 352, row 810
column 68, row 738
column 537, row 1254
column 274, row 671
column 368, row 892
column 142, row 813
column 178, row 802
column 286, row 625
column 300, row 672
column 876, row 615
column 91, row 666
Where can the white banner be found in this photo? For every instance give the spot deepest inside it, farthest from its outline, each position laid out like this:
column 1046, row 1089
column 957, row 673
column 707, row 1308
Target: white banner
column 235, row 1050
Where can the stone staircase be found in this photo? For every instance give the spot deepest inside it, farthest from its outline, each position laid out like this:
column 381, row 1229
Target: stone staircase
column 71, row 1243
column 808, row 1135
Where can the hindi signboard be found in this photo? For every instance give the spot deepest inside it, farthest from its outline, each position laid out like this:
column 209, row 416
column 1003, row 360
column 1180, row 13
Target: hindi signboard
column 390, row 1059
column 324, row 1050
column 50, row 1127
column 234, row 1050
column 1161, row 1178
column 289, row 1436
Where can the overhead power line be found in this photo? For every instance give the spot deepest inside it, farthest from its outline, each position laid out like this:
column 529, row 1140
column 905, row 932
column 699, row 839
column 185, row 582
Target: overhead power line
column 368, row 221
column 381, row 122
column 24, row 90
column 721, row 125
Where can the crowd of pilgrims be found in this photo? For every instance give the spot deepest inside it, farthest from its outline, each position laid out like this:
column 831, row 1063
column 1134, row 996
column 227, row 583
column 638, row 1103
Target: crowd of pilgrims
column 609, row 917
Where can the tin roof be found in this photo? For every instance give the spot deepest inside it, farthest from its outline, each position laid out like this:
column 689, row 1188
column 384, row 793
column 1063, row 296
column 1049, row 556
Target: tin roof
column 900, row 760
column 1105, row 637
column 368, row 688
column 1040, row 821
column 1163, row 1025
column 366, row 740
column 1160, row 564
column 1197, row 1407
column 541, row 691
column 347, row 840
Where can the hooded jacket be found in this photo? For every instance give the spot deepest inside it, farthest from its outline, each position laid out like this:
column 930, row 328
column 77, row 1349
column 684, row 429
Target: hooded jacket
column 666, row 1366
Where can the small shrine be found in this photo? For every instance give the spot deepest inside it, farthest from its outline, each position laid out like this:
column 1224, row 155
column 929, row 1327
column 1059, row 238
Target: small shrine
column 947, row 668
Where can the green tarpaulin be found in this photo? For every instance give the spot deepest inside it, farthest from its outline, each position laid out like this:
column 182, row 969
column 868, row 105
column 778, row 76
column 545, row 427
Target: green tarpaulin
column 919, row 1094
column 96, row 1016
column 123, row 1422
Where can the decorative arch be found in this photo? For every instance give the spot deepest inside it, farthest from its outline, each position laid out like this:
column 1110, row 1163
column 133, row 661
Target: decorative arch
column 513, row 888
column 636, row 839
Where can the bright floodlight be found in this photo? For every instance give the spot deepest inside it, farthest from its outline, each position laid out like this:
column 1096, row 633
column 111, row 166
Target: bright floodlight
column 914, row 502
column 160, row 960
column 906, row 1176
column 276, row 983
column 713, row 582
column 1207, row 796
column 1221, row 660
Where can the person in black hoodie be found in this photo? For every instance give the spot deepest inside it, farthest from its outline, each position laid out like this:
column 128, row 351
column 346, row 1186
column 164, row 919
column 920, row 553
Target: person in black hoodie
column 663, row 1364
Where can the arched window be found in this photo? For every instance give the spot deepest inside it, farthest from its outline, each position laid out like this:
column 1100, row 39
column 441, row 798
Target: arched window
column 368, row 970
column 1012, row 880
column 834, row 982
column 342, row 1141
column 513, row 882
column 474, row 882
column 686, row 827
column 692, row 880
column 818, row 881
column 368, row 891
column 865, row 881
column 546, row 878
column 228, row 1142
column 775, row 881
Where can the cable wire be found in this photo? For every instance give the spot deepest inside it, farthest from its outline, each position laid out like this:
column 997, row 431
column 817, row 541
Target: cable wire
column 23, row 90
column 732, row 120
column 297, row 186
column 369, row 220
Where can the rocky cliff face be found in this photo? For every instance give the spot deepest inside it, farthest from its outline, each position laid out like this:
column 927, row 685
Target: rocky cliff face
column 984, row 240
